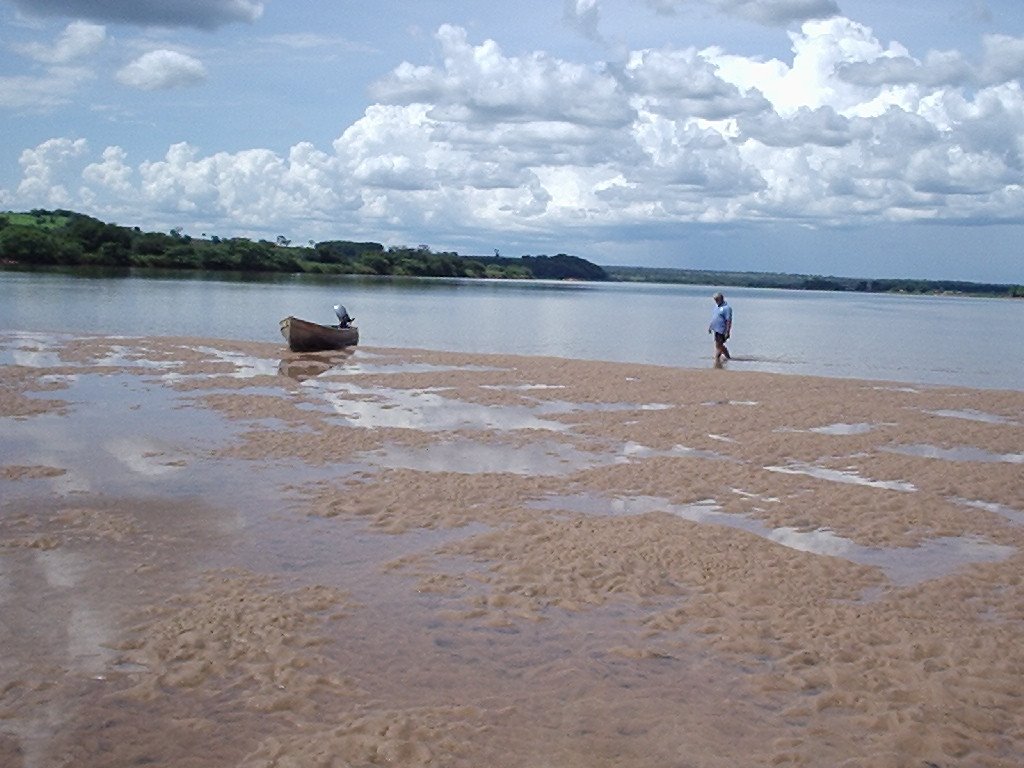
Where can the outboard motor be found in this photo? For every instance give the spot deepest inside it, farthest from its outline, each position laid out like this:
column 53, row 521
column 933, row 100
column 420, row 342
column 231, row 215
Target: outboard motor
column 344, row 320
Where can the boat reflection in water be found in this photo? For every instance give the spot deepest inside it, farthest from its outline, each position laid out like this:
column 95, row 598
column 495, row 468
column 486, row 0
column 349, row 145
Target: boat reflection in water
column 308, row 366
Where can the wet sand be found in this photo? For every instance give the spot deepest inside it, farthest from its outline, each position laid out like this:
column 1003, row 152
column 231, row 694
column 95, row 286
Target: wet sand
column 216, row 553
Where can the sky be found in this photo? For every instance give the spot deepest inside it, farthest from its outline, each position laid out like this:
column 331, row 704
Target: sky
column 861, row 138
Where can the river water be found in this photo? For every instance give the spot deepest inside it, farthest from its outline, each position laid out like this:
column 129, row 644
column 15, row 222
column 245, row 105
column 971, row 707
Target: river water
column 960, row 341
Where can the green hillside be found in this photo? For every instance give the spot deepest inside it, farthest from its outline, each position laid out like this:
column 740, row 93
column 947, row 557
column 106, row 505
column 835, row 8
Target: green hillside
column 68, row 239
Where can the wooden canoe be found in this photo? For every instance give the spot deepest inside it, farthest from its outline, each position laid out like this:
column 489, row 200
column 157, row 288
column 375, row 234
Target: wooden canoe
column 304, row 336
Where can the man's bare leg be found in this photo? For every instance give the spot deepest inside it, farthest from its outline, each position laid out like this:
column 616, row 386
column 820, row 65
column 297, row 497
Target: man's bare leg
column 720, row 352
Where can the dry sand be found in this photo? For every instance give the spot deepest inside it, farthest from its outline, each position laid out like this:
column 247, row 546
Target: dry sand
column 221, row 554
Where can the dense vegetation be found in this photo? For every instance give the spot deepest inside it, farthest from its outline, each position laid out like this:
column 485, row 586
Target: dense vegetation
column 66, row 238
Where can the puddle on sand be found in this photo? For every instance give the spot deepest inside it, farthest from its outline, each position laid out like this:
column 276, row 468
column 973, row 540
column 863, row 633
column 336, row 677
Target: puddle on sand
column 756, row 496
column 366, row 366
column 122, row 356
column 970, row 414
column 563, row 406
column 541, row 458
column 903, row 566
column 246, row 366
column 31, row 350
column 958, row 453
column 631, row 451
column 472, row 457
column 1011, row 514
column 847, row 476
column 860, row 428
column 31, row 358
column 40, row 351
column 123, row 435
column 116, row 432
column 430, row 410
column 37, row 350
column 522, row 387
column 425, row 409
column 618, row 506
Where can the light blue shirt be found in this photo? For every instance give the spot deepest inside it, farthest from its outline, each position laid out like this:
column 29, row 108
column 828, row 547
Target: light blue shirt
column 721, row 318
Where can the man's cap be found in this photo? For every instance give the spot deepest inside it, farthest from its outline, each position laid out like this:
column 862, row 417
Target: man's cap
column 718, row 296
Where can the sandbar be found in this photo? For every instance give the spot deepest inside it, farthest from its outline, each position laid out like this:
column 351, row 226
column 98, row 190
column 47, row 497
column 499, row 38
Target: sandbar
column 220, row 553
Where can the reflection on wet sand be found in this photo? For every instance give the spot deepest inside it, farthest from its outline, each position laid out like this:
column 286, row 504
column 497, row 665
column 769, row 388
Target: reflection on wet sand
column 311, row 365
column 300, row 370
column 957, row 453
column 849, row 476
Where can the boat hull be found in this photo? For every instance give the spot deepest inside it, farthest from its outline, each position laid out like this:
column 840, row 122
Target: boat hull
column 304, row 336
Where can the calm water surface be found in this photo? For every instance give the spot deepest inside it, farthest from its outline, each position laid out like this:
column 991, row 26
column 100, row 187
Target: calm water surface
column 915, row 339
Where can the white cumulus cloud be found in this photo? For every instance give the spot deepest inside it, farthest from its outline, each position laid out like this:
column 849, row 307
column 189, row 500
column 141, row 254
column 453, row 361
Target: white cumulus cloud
column 44, row 169
column 62, row 75
column 78, row 40
column 487, row 86
column 157, row 70
column 39, row 93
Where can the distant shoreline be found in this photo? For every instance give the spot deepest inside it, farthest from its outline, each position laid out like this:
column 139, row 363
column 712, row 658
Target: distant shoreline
column 798, row 282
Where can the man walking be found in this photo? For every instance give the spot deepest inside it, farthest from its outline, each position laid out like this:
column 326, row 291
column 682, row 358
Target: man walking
column 721, row 326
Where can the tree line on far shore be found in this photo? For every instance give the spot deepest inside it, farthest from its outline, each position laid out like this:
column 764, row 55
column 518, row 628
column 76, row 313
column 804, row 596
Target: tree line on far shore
column 70, row 239
column 811, row 282
column 63, row 238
